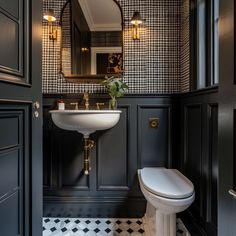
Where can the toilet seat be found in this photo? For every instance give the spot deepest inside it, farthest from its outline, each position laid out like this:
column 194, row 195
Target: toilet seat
column 167, row 183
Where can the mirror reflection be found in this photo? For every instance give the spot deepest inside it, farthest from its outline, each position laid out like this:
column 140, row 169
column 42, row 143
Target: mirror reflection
column 91, row 40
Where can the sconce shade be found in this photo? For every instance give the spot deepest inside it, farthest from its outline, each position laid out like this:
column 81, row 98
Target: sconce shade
column 49, row 15
column 136, row 19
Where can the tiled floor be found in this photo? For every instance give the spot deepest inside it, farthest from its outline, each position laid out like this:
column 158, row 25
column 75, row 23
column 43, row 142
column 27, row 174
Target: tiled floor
column 92, row 227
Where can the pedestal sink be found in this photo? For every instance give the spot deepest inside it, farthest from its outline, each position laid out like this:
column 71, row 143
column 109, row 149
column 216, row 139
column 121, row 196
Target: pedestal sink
column 85, row 122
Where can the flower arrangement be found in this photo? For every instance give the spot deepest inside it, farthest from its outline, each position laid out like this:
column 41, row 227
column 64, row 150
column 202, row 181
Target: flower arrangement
column 115, row 88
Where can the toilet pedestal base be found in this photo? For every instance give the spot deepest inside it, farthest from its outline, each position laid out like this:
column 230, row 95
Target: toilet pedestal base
column 158, row 224
column 165, row 224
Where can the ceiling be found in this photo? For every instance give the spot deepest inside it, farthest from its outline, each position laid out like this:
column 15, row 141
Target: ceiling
column 102, row 15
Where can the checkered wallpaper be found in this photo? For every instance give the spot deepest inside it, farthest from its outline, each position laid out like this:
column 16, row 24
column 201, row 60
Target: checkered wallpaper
column 185, row 46
column 152, row 65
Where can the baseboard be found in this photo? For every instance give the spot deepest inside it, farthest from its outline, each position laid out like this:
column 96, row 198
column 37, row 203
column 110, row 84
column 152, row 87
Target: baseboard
column 94, row 207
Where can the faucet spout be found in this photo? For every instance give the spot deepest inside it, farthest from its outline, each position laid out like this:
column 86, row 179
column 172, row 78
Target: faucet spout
column 86, row 99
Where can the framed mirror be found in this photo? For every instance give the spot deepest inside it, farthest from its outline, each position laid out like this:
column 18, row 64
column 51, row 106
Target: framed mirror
column 91, row 40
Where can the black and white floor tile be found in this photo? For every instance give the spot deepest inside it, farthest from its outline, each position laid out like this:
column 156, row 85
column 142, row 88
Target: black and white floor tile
column 92, row 227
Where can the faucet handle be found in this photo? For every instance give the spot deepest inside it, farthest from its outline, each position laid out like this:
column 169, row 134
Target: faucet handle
column 76, row 104
column 98, row 104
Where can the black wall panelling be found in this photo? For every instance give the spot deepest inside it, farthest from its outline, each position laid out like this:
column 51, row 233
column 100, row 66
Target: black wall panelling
column 185, row 139
column 148, row 138
column 112, row 188
column 199, row 158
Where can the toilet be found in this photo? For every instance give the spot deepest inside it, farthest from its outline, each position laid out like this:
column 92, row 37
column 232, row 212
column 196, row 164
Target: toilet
column 167, row 192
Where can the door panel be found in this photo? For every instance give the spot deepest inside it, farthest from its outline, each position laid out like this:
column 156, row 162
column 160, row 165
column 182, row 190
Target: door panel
column 14, row 169
column 10, row 207
column 9, row 166
column 9, row 126
column 11, row 6
column 14, row 41
column 20, row 130
column 9, row 44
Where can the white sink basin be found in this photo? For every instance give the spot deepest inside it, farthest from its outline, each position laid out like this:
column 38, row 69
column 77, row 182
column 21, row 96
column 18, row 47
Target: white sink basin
column 85, row 121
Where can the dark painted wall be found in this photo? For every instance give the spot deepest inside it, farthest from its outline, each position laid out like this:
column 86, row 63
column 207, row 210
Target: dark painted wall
column 112, row 188
column 227, row 119
column 186, row 139
column 199, row 158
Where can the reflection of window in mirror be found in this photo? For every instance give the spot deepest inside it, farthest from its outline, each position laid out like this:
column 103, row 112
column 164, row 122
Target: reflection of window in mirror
column 92, row 41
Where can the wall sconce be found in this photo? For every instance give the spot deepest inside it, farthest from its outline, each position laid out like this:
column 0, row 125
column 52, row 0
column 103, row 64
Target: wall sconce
column 50, row 17
column 136, row 21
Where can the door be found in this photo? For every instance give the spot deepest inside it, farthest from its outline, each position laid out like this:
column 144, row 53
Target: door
column 20, row 118
column 227, row 121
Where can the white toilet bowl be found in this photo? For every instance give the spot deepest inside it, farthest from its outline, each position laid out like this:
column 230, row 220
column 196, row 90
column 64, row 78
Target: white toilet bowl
column 167, row 192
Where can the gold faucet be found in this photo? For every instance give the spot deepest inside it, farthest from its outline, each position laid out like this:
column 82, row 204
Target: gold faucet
column 86, row 98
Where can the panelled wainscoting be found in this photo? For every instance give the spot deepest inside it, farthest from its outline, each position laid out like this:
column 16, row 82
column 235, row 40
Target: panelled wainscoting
column 185, row 139
column 199, row 158
column 112, row 188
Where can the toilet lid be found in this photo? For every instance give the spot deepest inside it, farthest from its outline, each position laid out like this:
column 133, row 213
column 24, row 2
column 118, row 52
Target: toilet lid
column 168, row 183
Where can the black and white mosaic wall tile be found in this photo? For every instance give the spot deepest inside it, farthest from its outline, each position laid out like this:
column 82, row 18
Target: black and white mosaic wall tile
column 92, row 227
column 152, row 65
column 185, row 46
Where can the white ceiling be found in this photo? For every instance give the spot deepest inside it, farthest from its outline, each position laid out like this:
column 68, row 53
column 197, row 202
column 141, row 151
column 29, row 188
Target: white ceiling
column 102, row 15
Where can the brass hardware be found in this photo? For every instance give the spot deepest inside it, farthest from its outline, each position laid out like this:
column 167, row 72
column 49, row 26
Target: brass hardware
column 98, row 104
column 86, row 98
column 88, row 145
column 53, row 34
column 154, row 123
column 36, row 114
column 50, row 17
column 76, row 104
column 36, row 105
column 136, row 21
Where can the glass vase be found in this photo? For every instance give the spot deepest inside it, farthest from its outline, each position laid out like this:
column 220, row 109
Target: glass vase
column 112, row 104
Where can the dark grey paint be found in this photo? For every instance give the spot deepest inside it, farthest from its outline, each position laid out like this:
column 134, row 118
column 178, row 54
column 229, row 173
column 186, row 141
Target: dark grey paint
column 199, row 158
column 227, row 105
column 20, row 135
column 118, row 153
